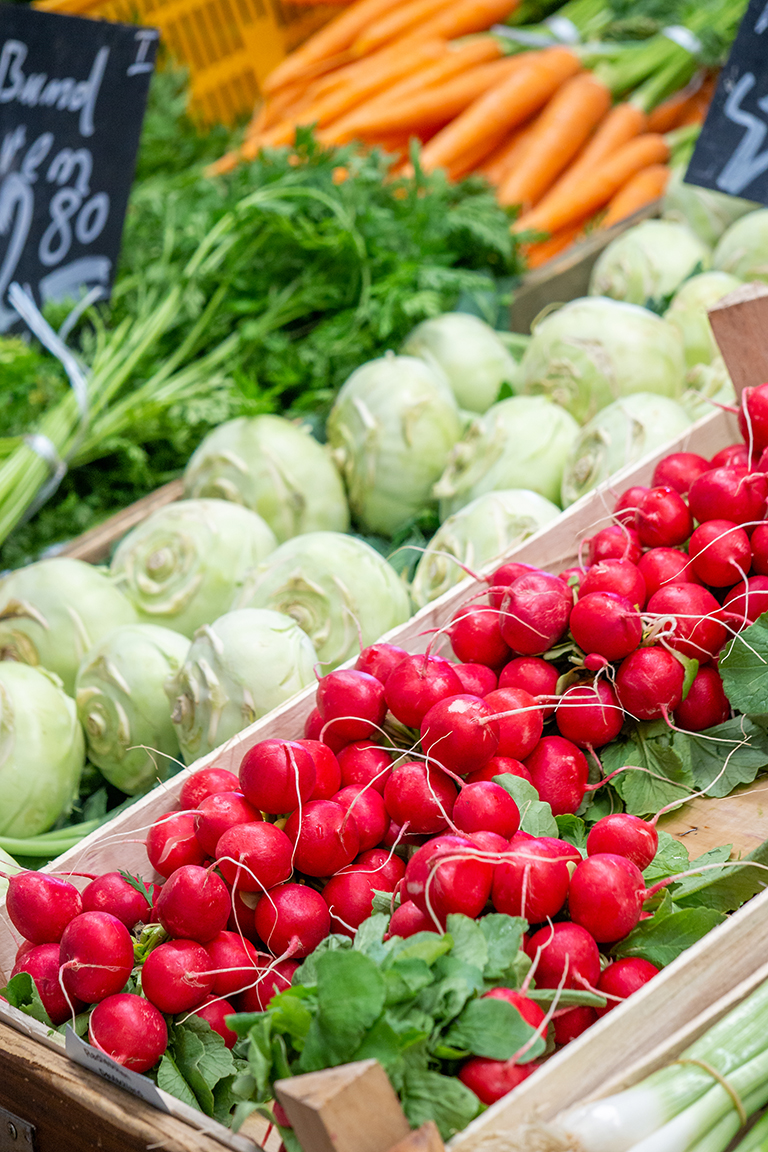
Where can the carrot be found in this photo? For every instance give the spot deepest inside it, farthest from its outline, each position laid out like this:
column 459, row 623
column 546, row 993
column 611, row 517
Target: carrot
column 647, row 185
column 665, row 115
column 696, row 110
column 436, row 105
column 462, row 17
column 596, row 188
column 509, row 152
column 544, row 250
column 328, row 42
column 566, row 122
column 503, row 107
column 392, row 25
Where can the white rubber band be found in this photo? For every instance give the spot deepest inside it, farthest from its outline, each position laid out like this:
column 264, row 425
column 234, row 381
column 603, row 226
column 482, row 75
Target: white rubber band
column 32, row 316
column 563, row 29
column 683, row 36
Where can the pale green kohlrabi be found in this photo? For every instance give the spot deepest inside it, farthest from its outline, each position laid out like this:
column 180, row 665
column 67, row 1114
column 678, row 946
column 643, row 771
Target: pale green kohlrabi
column 709, row 387
column 595, row 350
column 480, row 532
column 523, row 441
column 706, row 212
column 688, row 313
column 274, row 467
column 122, row 705
column 391, row 428
column 618, row 436
column 648, row 263
column 42, row 750
column 338, row 588
column 182, row 566
column 52, row 612
column 743, row 249
column 237, row 669
column 470, row 354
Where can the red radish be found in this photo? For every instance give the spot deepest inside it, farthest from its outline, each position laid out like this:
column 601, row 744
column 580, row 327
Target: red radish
column 423, row 797
column 130, row 1030
column 650, row 683
column 534, row 613
column 560, row 772
column 396, row 837
column 325, row 838
column 606, row 623
column 720, row 553
column 662, row 518
column 327, row 769
column 234, row 962
column 446, row 875
column 520, row 722
column 241, row 917
column 112, row 893
column 590, row 714
column 416, row 684
column 379, row 659
column 734, row 454
column 572, row 1023
column 557, row 849
column 662, row 566
column 606, row 896
column 624, row 977
column 460, row 733
column 220, row 812
column 617, row 542
column 753, row 417
column 176, row 976
column 41, row 961
column 627, row 503
column 214, row 1011
column 534, row 675
column 171, row 843
column 572, row 577
column 277, row 775
column 314, row 728
column 476, row 679
column 497, row 766
column 759, row 542
column 206, row 782
column 364, row 762
column 252, row 857
column 293, row 917
column 679, row 470
column 96, row 956
column 618, row 576
column 384, row 868
column 567, row 953
column 621, row 834
column 367, row 807
column 276, row 979
column 194, row 904
column 349, row 896
column 41, row 906
column 486, row 807
column 475, row 635
column 706, row 703
column 698, row 631
column 744, row 604
column 407, row 920
column 492, row 1079
column 504, row 576
column 530, row 883
column 351, row 704
column 488, row 841
column 729, row 494
column 528, row 1009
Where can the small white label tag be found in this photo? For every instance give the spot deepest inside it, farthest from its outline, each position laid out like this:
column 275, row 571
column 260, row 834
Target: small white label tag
column 95, row 1061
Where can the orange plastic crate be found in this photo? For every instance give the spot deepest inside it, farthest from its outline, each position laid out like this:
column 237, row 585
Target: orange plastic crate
column 229, row 46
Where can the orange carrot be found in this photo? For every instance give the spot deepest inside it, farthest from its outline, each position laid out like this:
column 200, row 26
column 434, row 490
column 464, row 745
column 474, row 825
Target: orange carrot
column 695, row 112
column 567, row 121
column 544, row 250
column 596, row 188
column 392, row 25
column 647, row 185
column 462, row 17
column 503, row 107
column 665, row 115
column 509, row 152
column 330, row 40
column 436, row 105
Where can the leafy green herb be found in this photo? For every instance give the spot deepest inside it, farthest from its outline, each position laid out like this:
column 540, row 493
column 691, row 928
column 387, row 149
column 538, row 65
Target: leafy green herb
column 743, row 666
column 197, row 1066
column 664, row 761
column 140, row 885
column 21, row 992
column 535, row 815
column 728, row 755
column 667, row 934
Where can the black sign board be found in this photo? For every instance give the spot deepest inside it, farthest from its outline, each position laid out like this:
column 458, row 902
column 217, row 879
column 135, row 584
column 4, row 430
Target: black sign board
column 72, row 100
column 732, row 151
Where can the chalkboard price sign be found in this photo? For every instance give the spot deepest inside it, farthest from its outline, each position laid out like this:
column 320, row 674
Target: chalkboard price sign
column 731, row 154
column 72, row 99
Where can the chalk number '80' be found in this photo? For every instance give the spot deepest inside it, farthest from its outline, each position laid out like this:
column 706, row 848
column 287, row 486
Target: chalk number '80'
column 70, row 215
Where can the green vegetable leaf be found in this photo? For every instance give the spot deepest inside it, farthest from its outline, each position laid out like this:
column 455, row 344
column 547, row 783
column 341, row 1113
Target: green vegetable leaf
column 566, row 997
column 426, row 946
column 504, row 936
column 725, row 889
column 664, row 774
column 350, row 995
column 573, row 830
column 202, row 1058
column 431, row 1096
column 535, row 816
column 140, row 885
column 21, row 992
column 469, row 941
column 728, row 755
column 671, row 857
column 170, row 1079
column 666, row 935
column 493, row 1028
column 306, row 975
column 743, row 667
column 369, row 936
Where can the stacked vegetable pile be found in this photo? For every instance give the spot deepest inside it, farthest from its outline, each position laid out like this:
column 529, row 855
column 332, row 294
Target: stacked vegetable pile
column 445, row 849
